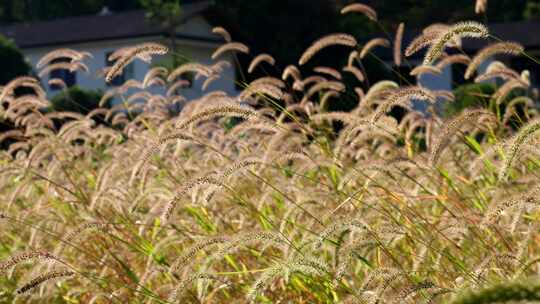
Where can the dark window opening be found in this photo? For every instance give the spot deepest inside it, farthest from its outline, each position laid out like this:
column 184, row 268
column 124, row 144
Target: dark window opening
column 67, row 76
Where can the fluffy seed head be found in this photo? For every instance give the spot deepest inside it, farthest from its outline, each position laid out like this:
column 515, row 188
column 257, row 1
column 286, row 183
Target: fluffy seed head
column 329, row 40
column 397, row 44
column 360, row 8
column 44, row 278
column 507, row 48
column 145, row 49
column 372, row 44
column 470, row 29
column 231, row 46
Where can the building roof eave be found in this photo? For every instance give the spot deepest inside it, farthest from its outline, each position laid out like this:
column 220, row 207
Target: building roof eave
column 80, row 29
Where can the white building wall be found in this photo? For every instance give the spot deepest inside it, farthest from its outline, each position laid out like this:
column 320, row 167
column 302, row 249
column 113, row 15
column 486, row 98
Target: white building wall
column 437, row 82
column 191, row 50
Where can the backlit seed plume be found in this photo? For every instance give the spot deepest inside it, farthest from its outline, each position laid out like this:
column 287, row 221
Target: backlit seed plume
column 300, row 85
column 420, row 42
column 181, row 287
column 154, row 148
column 36, row 282
column 397, row 44
column 260, row 90
column 62, row 53
column 503, row 91
column 495, row 66
column 153, row 73
column 514, row 144
column 326, row 85
column 328, row 71
column 425, row 69
column 359, row 92
column 223, row 32
column 355, row 71
column 176, row 86
column 189, row 253
column 360, row 8
column 304, row 265
column 327, row 96
column 338, row 226
column 441, row 28
column 453, row 59
column 229, row 110
column 132, row 83
column 506, row 48
column 168, row 210
column 190, row 67
column 480, row 6
column 291, row 71
column 70, row 236
column 497, row 209
column 380, row 89
column 466, row 29
column 329, row 40
column 447, row 95
column 22, row 257
column 511, row 108
column 259, row 59
column 372, row 44
column 264, row 280
column 125, row 50
column 278, row 83
column 265, row 238
column 402, row 97
column 228, row 47
column 452, row 127
column 22, row 81
column 57, row 82
column 209, row 81
column 223, row 110
column 503, row 72
column 142, row 49
column 353, row 57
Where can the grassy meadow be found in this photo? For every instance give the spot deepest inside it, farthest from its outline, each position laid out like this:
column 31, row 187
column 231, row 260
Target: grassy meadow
column 271, row 196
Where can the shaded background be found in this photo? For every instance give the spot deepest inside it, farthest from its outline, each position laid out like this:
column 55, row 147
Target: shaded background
column 284, row 28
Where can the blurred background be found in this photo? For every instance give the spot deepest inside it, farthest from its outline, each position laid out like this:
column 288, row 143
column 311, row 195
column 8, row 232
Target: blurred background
column 284, row 29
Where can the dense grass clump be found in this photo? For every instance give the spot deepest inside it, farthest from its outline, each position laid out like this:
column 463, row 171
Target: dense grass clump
column 525, row 291
column 267, row 196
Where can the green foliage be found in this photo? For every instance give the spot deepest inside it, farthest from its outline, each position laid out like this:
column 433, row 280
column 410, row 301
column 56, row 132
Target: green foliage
column 469, row 95
column 272, row 210
column 13, row 63
column 418, row 14
column 166, row 11
column 76, row 100
column 532, row 11
column 502, row 293
column 28, row 10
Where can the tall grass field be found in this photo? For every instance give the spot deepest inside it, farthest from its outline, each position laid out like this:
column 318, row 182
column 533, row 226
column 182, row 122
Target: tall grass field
column 270, row 196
